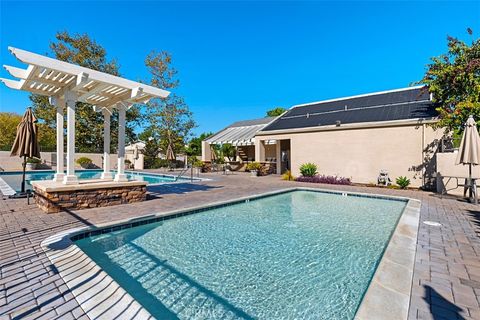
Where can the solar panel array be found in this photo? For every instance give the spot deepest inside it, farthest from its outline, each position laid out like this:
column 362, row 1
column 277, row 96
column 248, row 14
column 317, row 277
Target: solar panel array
column 397, row 105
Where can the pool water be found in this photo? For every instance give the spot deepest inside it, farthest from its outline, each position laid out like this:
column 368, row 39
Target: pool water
column 14, row 179
column 297, row 255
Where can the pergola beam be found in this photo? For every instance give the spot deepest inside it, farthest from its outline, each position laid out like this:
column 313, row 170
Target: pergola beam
column 46, row 62
column 98, row 88
column 13, row 84
column 19, row 72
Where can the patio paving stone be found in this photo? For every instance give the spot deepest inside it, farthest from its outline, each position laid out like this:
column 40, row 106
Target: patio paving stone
column 446, row 278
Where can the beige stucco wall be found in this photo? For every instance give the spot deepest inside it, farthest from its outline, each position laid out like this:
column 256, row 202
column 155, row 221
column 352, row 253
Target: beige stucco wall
column 361, row 153
column 206, row 151
column 450, row 174
column 8, row 163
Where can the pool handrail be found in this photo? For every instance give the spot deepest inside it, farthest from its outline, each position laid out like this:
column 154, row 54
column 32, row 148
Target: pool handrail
column 184, row 170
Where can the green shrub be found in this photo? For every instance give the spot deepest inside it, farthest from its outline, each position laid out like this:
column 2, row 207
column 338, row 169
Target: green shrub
column 84, row 162
column 403, row 182
column 308, row 169
column 288, row 176
column 164, row 163
column 195, row 162
column 252, row 166
column 34, row 160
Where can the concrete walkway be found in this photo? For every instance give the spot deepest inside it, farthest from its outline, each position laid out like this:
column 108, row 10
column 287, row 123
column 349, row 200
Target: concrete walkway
column 446, row 282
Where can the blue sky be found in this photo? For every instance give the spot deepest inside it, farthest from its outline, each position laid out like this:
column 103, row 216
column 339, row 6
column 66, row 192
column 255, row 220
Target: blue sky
column 238, row 59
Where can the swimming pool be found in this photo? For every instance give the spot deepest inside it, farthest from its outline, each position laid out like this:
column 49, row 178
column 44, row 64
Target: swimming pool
column 300, row 254
column 14, row 179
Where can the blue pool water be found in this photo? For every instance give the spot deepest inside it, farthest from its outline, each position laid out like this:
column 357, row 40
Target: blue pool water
column 297, row 255
column 14, row 179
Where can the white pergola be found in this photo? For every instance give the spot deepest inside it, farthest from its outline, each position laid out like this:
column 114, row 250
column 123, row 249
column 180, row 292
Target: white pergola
column 66, row 84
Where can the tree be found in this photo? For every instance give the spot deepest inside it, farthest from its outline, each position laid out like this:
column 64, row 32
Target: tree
column 453, row 78
column 276, row 112
column 228, row 150
column 224, row 150
column 194, row 147
column 170, row 121
column 8, row 129
column 84, row 51
column 150, row 153
column 47, row 138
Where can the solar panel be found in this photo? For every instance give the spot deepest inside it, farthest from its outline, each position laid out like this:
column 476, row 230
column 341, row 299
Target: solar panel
column 397, row 105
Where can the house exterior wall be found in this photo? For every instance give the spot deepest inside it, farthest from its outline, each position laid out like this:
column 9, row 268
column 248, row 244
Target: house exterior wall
column 206, row 151
column 360, row 153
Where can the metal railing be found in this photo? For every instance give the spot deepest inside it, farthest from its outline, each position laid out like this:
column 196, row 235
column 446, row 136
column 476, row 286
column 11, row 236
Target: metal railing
column 184, row 170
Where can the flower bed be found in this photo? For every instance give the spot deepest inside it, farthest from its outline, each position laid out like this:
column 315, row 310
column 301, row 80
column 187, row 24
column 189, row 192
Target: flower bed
column 325, row 179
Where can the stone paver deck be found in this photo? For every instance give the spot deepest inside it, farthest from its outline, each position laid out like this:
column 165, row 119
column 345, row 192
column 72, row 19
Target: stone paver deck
column 446, row 280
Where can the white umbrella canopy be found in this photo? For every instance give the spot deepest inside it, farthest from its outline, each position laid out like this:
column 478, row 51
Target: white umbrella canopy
column 469, row 151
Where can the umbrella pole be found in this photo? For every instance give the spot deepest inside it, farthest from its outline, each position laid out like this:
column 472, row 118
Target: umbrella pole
column 23, row 176
column 470, row 187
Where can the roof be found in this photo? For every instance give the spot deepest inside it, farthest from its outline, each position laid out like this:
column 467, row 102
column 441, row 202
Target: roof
column 401, row 104
column 240, row 133
column 139, row 144
column 53, row 78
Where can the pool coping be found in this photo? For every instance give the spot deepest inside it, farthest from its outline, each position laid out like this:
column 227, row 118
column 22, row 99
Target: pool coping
column 101, row 297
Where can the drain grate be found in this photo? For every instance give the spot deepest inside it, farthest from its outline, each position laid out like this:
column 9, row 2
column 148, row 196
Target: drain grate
column 432, row 223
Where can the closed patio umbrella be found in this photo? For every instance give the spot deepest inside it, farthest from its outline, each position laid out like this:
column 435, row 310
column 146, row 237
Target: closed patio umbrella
column 469, row 151
column 170, row 155
column 26, row 141
column 135, row 152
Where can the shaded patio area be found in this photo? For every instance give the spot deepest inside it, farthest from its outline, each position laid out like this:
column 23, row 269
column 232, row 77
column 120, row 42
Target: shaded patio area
column 446, row 280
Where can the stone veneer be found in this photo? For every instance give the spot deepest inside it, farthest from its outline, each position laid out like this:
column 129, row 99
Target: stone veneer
column 56, row 201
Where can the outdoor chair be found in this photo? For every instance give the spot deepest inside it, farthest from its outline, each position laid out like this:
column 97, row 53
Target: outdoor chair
column 227, row 169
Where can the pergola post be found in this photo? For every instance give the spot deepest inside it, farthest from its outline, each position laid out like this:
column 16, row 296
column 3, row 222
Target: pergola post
column 71, row 100
column 120, row 176
column 106, row 174
column 59, row 104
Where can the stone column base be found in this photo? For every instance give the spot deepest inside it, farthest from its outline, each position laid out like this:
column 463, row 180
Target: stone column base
column 64, row 200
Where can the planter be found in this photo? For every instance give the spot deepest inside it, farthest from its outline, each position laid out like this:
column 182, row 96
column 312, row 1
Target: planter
column 31, row 166
column 253, row 173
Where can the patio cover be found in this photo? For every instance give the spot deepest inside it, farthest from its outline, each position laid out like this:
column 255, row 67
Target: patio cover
column 240, row 133
column 66, row 84
column 52, row 77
